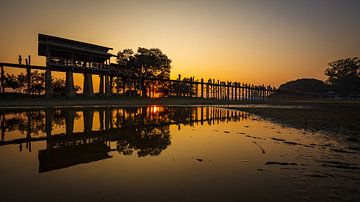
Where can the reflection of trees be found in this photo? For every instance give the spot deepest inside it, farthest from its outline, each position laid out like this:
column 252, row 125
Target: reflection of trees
column 33, row 121
column 142, row 130
column 146, row 141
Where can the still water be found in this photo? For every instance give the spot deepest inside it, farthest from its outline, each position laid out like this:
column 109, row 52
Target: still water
column 156, row 153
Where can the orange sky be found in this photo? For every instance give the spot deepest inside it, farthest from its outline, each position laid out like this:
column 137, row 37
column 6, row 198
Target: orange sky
column 259, row 42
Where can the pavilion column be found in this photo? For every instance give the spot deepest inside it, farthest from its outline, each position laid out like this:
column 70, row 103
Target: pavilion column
column 88, row 85
column 202, row 88
column 101, row 85
column 48, row 83
column 69, row 85
column 107, row 86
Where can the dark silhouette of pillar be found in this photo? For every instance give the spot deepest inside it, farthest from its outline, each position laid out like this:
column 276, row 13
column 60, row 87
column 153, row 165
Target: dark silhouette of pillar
column 101, row 85
column 28, row 75
column 236, row 89
column 2, row 89
column 108, row 119
column 48, row 83
column 101, row 119
column 69, row 121
column 69, row 85
column 88, row 115
column 202, row 88
column 48, row 121
column 88, row 85
column 107, row 85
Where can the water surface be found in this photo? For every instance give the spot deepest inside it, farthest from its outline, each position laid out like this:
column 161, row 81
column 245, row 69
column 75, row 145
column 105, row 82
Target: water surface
column 168, row 154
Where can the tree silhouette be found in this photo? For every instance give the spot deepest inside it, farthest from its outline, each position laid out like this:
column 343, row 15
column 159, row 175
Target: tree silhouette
column 344, row 75
column 145, row 64
column 304, row 86
column 13, row 82
column 59, row 86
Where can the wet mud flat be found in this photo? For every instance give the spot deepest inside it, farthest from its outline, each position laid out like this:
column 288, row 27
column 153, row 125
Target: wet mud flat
column 340, row 119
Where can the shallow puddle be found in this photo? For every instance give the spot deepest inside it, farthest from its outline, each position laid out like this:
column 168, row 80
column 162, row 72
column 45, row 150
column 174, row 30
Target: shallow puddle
column 168, row 154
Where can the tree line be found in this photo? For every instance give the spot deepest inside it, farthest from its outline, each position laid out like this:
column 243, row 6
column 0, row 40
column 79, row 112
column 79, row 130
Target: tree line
column 343, row 78
column 18, row 84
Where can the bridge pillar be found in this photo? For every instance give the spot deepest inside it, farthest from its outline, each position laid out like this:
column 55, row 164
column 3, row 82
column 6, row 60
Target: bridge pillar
column 107, row 86
column 88, row 85
column 101, row 85
column 2, row 74
column 48, row 83
column 69, row 85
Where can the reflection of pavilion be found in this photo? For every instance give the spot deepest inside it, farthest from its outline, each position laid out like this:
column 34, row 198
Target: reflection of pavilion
column 144, row 130
column 53, row 159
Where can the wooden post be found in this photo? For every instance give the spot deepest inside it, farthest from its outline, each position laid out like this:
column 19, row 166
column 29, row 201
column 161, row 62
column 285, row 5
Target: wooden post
column 111, row 84
column 218, row 90
column 2, row 89
column 169, row 91
column 88, row 85
column 48, row 80
column 236, row 85
column 107, row 85
column 227, row 90
column 101, row 84
column 69, row 84
column 28, row 75
column 207, row 89
column 202, row 88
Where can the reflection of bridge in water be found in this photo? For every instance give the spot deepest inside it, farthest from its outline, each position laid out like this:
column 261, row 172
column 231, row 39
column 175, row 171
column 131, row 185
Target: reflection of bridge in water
column 144, row 130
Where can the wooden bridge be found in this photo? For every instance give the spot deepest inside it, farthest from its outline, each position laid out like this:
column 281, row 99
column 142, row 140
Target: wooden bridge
column 69, row 56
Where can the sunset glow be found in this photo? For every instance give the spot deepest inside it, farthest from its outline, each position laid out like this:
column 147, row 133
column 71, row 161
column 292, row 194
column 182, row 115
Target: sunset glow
column 249, row 41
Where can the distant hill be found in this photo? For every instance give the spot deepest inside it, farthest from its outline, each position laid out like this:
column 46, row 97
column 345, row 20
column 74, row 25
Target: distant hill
column 305, row 85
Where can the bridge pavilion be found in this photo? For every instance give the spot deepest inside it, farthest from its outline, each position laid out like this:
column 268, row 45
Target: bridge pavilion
column 75, row 56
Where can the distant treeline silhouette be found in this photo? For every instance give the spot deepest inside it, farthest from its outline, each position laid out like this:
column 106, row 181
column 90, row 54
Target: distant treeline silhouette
column 18, row 83
column 343, row 79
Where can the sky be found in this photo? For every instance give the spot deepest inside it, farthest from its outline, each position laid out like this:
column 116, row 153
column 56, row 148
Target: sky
column 253, row 41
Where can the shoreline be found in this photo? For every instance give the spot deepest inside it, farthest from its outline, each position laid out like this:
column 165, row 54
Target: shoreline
column 23, row 101
column 12, row 102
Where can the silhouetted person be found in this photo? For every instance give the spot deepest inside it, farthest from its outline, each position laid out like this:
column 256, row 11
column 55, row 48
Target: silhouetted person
column 20, row 59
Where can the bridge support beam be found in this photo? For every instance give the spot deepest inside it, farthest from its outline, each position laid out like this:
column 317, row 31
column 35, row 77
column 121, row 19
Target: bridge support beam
column 69, row 85
column 107, row 86
column 48, row 83
column 101, row 85
column 2, row 74
column 88, row 85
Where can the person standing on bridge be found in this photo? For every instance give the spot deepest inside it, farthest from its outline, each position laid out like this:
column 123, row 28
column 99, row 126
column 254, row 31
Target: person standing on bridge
column 20, row 59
